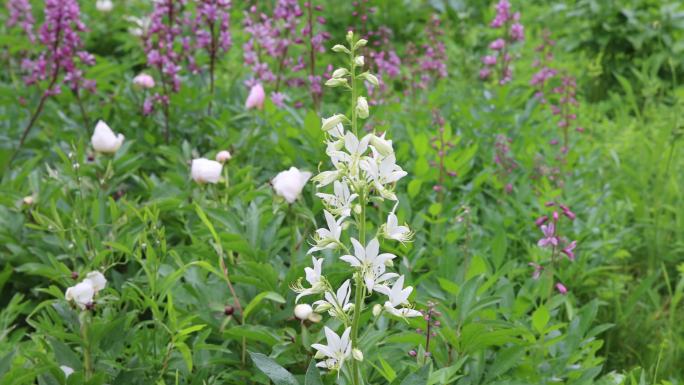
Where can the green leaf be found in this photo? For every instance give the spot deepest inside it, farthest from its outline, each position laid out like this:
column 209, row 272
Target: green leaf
column 540, row 318
column 414, row 187
column 277, row 374
column 418, row 378
column 313, row 376
column 273, row 296
column 186, row 353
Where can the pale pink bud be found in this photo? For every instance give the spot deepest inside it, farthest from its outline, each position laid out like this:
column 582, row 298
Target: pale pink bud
column 561, row 288
column 223, row 156
column 256, row 97
column 144, row 81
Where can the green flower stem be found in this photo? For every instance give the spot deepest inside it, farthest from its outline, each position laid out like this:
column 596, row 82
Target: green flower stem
column 87, row 356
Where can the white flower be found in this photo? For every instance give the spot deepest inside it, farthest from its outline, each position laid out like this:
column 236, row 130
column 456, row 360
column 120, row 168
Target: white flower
column 381, row 144
column 336, row 82
column 204, row 170
column 142, row 25
column 359, row 61
column 104, row 5
column 392, row 230
column 326, row 177
column 104, row 140
column 314, row 277
column 328, row 238
column 67, row 370
column 223, row 156
column 362, row 107
column 383, row 173
column 144, row 80
column 340, row 72
column 338, row 349
column 303, row 311
column 82, row 293
column 340, row 202
column 97, row 280
column 289, row 184
column 337, row 304
column 371, row 263
column 331, row 122
column 398, row 296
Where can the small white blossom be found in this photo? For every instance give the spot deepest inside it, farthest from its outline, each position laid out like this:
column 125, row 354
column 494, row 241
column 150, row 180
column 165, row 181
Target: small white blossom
column 331, row 122
column 328, row 238
column 362, row 107
column 392, row 230
column 104, row 5
column 340, row 202
column 371, row 263
column 315, row 279
column 381, row 144
column 359, row 61
column 83, row 293
column 337, row 304
column 67, row 370
column 338, row 349
column 383, row 173
column 398, row 296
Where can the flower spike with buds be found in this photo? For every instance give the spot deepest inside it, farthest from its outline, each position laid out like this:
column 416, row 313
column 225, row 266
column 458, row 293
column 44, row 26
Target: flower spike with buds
column 365, row 169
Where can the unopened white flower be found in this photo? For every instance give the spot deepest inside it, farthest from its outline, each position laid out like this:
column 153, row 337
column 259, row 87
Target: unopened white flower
column 204, row 170
column 331, row 122
column 104, row 140
column 96, row 279
column 289, row 184
column 325, row 178
column 362, row 107
column 381, row 144
column 377, row 309
column 104, row 5
column 82, row 293
column 340, row 48
column 142, row 25
column 338, row 349
column 371, row 263
column 398, row 296
column 223, row 156
column 303, row 311
column 340, row 202
column 67, row 370
column 328, row 238
column 359, row 61
column 337, row 304
column 361, row 43
column 28, row 200
column 144, row 80
column 336, row 82
column 370, row 78
column 340, row 72
column 392, row 230
column 315, row 279
column 357, row 354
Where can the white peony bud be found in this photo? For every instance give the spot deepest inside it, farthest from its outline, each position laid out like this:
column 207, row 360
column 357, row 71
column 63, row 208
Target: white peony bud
column 362, row 107
column 205, row 171
column 359, row 61
column 144, row 80
column 340, row 72
column 303, row 311
column 104, row 140
column 223, row 156
column 104, row 5
column 289, row 184
column 82, row 294
column 97, row 280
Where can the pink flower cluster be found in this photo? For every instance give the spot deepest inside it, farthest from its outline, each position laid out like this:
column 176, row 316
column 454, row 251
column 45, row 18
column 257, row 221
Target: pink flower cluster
column 500, row 55
column 63, row 49
column 543, row 62
column 20, row 14
column 384, row 63
column 212, row 26
column 566, row 107
column 276, row 48
column 552, row 238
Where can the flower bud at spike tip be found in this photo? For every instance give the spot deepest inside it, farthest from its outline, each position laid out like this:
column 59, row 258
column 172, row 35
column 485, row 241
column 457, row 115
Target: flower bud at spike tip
column 362, row 107
column 340, row 48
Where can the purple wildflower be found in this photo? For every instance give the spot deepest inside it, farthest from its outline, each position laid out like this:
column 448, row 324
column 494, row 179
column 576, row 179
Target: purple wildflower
column 20, row 14
column 549, row 238
column 513, row 31
column 569, row 250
